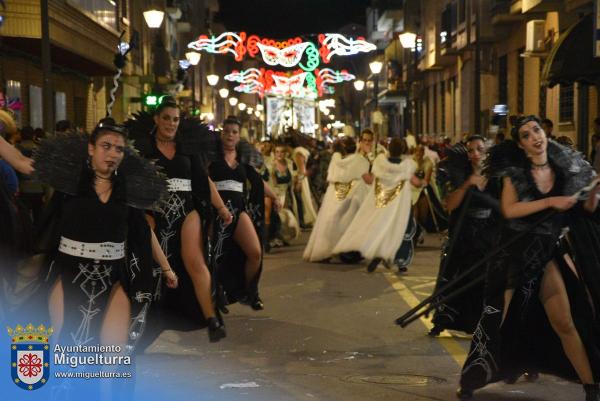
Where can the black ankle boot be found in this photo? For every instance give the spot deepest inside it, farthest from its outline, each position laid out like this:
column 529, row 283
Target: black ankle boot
column 592, row 392
column 464, row 393
column 373, row 265
column 216, row 330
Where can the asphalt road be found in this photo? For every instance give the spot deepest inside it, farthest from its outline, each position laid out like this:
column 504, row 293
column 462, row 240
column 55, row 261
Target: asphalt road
column 327, row 333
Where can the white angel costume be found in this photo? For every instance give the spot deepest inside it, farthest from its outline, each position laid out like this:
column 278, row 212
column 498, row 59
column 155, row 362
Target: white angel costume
column 380, row 224
column 309, row 213
column 345, row 193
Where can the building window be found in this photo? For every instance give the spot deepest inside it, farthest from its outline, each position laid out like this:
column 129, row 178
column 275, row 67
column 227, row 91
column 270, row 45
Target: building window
column 36, row 114
column 520, row 82
column 13, row 99
column 103, row 11
column 462, row 11
column 503, row 80
column 566, row 108
column 60, row 106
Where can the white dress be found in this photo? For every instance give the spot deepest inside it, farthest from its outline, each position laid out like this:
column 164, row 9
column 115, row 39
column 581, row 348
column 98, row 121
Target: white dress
column 379, row 226
column 344, row 195
column 308, row 204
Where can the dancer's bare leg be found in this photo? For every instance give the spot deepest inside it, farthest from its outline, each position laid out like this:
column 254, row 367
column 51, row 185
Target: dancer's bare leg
column 553, row 296
column 245, row 236
column 192, row 253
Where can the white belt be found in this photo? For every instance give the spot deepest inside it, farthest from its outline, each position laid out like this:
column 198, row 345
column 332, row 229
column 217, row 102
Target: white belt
column 97, row 251
column 229, row 185
column 179, row 185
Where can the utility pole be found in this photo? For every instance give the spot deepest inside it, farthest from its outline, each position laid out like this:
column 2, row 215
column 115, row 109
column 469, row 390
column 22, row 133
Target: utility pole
column 47, row 93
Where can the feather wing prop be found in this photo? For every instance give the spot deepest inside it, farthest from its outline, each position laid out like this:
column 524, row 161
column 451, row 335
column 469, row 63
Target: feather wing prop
column 60, row 159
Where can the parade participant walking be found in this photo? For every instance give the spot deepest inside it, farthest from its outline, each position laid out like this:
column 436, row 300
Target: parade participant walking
column 281, row 181
column 238, row 251
column 182, row 224
column 379, row 227
column 428, row 210
column 347, row 175
column 305, row 208
column 96, row 235
column 473, row 208
column 540, row 308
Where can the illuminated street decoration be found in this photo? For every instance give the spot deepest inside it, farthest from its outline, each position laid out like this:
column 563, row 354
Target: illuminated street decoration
column 327, row 76
column 298, row 83
column 286, row 57
column 336, row 44
column 227, row 42
column 287, row 53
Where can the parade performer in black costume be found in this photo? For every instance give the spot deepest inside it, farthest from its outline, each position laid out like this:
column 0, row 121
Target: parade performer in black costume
column 183, row 148
column 238, row 250
column 95, row 234
column 542, row 296
column 473, row 208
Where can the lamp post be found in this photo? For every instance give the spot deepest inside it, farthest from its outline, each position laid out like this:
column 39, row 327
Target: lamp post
column 224, row 92
column 154, row 19
column 375, row 67
column 194, row 59
column 213, row 80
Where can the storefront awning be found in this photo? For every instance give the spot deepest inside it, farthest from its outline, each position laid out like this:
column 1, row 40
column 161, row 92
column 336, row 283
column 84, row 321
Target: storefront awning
column 571, row 58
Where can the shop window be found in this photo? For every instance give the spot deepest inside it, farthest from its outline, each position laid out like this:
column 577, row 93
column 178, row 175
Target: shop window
column 36, row 111
column 443, row 106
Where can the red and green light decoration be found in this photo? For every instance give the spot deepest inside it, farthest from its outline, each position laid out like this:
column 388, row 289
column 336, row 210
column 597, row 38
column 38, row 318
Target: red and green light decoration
column 288, row 53
column 297, row 83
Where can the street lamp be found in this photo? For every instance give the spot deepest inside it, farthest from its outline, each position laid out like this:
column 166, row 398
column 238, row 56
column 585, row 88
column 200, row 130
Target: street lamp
column 375, row 66
column 259, row 107
column 408, row 40
column 224, row 92
column 212, row 79
column 154, row 18
column 242, row 106
column 359, row 85
column 193, row 57
column 233, row 101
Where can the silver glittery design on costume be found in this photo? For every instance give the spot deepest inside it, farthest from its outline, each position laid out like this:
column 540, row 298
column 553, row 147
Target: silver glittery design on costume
column 96, row 281
column 482, row 357
column 224, row 232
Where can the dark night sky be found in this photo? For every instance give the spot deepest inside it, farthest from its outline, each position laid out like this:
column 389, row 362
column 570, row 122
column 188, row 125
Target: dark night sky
column 281, row 19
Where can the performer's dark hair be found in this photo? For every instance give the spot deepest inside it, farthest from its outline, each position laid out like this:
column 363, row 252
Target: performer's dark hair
column 108, row 125
column 397, row 147
column 232, row 120
column 166, row 102
column 521, row 121
column 367, row 131
column 475, row 138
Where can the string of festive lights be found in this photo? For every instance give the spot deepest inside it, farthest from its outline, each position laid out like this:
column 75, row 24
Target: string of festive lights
column 287, row 53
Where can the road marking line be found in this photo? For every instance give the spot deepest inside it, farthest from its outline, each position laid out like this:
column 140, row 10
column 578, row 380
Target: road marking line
column 456, row 351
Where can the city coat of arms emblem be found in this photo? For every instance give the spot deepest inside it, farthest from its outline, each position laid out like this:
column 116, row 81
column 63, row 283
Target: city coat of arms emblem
column 30, row 356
